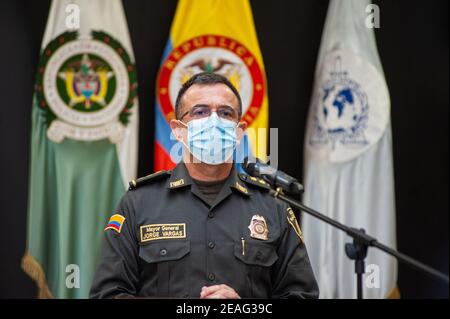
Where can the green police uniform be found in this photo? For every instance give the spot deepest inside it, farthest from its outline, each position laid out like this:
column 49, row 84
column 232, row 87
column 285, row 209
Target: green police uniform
column 170, row 241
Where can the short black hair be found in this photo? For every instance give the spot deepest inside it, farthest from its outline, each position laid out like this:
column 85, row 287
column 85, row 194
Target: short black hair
column 205, row 78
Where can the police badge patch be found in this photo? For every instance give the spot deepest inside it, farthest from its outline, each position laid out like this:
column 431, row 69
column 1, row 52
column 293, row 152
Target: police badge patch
column 258, row 228
column 86, row 85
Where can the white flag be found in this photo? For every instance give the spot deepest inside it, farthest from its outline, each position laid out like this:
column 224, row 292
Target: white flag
column 348, row 155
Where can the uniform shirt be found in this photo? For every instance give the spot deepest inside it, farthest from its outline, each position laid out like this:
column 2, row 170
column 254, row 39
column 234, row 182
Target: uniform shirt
column 209, row 189
column 172, row 242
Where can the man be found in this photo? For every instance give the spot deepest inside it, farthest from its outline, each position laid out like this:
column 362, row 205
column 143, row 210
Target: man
column 202, row 230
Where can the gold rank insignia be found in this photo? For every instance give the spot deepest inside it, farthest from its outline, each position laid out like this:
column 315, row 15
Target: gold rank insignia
column 241, row 188
column 293, row 221
column 258, row 228
column 258, row 180
column 177, row 183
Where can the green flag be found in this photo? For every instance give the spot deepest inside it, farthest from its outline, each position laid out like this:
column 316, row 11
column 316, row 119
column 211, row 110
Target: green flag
column 83, row 143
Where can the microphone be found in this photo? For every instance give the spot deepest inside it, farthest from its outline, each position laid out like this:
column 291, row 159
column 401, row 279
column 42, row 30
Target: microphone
column 272, row 176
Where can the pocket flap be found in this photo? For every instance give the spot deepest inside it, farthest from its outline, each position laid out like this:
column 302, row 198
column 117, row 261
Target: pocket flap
column 164, row 250
column 256, row 254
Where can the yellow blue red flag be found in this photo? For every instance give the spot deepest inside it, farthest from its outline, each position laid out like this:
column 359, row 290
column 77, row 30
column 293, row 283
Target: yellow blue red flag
column 115, row 223
column 214, row 36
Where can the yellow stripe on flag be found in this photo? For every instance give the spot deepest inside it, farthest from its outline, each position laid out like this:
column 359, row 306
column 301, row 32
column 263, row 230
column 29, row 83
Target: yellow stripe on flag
column 232, row 19
column 117, row 218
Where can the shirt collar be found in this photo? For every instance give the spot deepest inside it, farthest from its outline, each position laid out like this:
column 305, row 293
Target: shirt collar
column 180, row 178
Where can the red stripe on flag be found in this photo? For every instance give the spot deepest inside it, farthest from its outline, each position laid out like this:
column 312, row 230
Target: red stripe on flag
column 162, row 158
column 112, row 226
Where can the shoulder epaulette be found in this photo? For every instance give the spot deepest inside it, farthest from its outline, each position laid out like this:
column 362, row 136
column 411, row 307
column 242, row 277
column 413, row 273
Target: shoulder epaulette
column 254, row 181
column 135, row 183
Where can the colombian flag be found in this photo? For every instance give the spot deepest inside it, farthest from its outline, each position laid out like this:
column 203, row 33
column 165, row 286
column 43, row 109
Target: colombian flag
column 115, row 223
column 213, row 36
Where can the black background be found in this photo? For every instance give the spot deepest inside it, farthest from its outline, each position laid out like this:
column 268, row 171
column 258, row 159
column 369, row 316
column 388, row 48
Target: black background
column 413, row 46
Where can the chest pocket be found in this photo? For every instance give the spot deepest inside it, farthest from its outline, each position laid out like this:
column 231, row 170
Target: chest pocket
column 256, row 254
column 170, row 258
column 257, row 262
column 164, row 250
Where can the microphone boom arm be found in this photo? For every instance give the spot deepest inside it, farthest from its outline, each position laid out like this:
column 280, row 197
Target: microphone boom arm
column 361, row 241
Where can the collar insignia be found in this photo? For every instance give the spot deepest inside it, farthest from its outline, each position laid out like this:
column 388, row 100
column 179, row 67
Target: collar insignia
column 177, row 183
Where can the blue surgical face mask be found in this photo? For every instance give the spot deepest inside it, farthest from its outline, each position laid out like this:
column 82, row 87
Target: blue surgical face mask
column 212, row 139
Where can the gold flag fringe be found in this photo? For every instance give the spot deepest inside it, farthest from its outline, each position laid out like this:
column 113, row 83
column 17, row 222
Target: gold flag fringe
column 33, row 269
column 394, row 293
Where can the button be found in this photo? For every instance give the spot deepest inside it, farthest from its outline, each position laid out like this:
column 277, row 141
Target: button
column 210, row 214
column 211, row 244
column 211, row 276
column 163, row 252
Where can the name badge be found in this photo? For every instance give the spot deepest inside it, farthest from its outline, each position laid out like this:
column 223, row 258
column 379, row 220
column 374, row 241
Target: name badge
column 162, row 231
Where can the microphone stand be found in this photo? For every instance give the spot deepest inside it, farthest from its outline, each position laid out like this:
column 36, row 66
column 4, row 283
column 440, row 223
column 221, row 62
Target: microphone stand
column 357, row 250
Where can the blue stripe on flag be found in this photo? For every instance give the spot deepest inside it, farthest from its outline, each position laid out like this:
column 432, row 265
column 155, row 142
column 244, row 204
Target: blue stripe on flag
column 163, row 131
column 115, row 223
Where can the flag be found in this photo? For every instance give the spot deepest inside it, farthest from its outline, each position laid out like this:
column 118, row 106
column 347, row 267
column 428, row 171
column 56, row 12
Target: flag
column 348, row 170
column 83, row 142
column 216, row 36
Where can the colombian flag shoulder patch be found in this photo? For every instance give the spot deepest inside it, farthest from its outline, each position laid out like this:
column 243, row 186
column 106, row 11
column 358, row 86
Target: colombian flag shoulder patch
column 115, row 223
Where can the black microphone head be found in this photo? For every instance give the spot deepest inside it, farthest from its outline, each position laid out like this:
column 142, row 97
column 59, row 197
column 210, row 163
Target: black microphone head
column 248, row 166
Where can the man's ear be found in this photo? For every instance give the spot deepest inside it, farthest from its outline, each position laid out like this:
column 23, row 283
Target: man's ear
column 241, row 127
column 177, row 129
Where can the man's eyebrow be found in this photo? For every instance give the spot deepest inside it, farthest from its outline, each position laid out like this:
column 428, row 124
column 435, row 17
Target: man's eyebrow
column 208, row 105
column 220, row 106
column 200, row 105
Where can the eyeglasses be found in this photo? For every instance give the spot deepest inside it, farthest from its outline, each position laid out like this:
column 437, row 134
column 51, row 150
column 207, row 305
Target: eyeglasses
column 202, row 111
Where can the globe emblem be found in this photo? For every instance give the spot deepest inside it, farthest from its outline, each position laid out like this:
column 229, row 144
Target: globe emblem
column 341, row 109
column 349, row 109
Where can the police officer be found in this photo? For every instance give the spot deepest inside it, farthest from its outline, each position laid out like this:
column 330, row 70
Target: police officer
column 203, row 230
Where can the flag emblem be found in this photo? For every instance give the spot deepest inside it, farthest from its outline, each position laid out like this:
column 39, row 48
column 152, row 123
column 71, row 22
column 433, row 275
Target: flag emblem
column 212, row 53
column 87, row 86
column 348, row 171
column 350, row 111
column 220, row 38
column 115, row 223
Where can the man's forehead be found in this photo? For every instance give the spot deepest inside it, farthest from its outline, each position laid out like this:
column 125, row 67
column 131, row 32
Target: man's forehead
column 210, row 94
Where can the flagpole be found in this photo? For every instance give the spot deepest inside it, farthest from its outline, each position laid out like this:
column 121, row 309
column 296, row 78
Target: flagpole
column 357, row 250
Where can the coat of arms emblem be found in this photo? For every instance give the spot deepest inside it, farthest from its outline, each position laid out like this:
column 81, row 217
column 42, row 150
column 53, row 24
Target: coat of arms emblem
column 86, row 86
